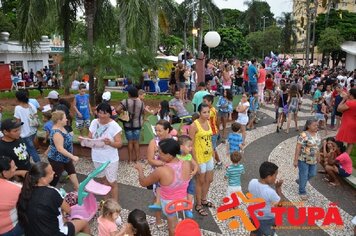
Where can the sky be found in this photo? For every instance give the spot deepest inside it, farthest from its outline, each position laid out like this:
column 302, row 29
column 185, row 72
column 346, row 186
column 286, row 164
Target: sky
column 277, row 6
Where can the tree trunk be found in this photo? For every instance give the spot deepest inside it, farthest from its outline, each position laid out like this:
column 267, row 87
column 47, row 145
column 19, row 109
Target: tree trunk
column 66, row 34
column 123, row 35
column 200, row 26
column 155, row 30
column 90, row 10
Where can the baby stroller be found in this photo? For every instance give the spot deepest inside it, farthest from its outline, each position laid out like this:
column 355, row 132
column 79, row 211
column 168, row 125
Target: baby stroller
column 87, row 205
column 185, row 227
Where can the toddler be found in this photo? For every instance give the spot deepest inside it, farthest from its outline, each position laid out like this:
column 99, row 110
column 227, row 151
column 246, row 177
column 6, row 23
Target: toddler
column 186, row 146
column 48, row 124
column 109, row 219
column 233, row 173
column 235, row 139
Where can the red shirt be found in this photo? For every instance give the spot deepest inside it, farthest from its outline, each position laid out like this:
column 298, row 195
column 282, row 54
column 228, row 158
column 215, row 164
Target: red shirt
column 245, row 73
column 269, row 84
column 262, row 76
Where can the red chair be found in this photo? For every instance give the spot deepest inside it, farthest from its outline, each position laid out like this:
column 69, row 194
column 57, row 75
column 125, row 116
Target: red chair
column 186, row 227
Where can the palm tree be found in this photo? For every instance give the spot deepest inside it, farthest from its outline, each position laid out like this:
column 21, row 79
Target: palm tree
column 289, row 31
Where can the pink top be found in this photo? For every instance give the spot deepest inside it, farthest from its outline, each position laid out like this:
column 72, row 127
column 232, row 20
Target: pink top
column 178, row 188
column 105, row 226
column 262, row 76
column 8, row 214
column 345, row 162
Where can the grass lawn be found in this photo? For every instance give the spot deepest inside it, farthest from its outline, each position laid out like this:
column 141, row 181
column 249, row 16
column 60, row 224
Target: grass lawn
column 353, row 156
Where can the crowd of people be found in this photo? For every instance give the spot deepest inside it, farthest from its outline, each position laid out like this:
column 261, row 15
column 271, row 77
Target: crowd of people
column 183, row 161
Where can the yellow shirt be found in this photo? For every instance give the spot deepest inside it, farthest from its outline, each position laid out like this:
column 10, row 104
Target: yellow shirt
column 212, row 120
column 202, row 144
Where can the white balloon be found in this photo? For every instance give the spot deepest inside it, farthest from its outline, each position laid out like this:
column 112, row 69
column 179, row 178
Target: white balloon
column 212, row 39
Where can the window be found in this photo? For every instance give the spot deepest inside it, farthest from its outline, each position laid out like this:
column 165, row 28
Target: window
column 17, row 65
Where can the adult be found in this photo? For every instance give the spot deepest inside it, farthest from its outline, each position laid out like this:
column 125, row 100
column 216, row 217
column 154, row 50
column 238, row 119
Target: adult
column 261, row 83
column 40, row 81
column 242, row 117
column 201, row 135
column 328, row 152
column 10, row 192
column 177, row 105
column 135, row 108
column 226, row 77
column 307, row 155
column 173, row 178
column 26, row 113
column 60, row 150
column 198, row 96
column 252, row 77
column 347, row 129
column 40, row 206
column 109, row 132
column 181, row 80
column 57, row 104
column 162, row 129
column 245, row 77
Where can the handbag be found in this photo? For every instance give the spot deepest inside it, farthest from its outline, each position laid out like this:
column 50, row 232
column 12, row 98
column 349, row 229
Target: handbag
column 124, row 116
column 33, row 118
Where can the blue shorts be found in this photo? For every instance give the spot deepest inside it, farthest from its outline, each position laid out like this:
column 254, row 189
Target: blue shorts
column 191, row 187
column 342, row 172
column 319, row 117
column 265, row 227
column 133, row 134
column 214, row 140
column 164, row 203
column 207, row 166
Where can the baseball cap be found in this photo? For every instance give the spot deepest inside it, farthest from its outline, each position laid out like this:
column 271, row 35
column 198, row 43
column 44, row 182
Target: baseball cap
column 53, row 95
column 9, row 124
column 106, row 96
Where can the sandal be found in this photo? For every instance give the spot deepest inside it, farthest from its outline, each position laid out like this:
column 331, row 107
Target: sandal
column 201, row 210
column 207, row 203
column 321, row 171
column 333, row 184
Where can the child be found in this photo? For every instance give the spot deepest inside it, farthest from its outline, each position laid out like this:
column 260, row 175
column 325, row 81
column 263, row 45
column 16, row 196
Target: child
column 109, row 218
column 260, row 188
column 208, row 100
column 224, row 106
column 253, row 110
column 48, row 124
column 293, row 106
column 235, row 139
column 83, row 110
column 186, row 146
column 233, row 173
column 321, row 112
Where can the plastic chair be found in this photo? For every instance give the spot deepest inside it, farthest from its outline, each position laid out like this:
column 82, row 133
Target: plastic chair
column 235, row 101
column 186, row 227
column 152, row 119
column 148, row 133
column 87, row 206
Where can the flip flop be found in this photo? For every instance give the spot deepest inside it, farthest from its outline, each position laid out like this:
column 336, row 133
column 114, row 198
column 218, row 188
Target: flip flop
column 321, row 171
column 200, row 209
column 332, row 184
column 207, row 203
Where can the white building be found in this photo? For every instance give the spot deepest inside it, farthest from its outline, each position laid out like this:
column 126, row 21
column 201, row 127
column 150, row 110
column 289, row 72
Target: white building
column 350, row 48
column 12, row 52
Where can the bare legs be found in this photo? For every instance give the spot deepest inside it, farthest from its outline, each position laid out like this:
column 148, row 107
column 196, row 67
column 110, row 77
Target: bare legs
column 133, row 150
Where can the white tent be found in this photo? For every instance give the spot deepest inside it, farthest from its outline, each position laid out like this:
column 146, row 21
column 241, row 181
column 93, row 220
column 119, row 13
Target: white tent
column 350, row 48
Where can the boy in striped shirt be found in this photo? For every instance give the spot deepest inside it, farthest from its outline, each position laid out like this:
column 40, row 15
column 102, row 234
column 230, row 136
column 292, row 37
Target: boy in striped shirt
column 233, row 173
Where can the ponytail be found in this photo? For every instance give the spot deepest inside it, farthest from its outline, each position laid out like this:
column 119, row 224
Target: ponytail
column 37, row 171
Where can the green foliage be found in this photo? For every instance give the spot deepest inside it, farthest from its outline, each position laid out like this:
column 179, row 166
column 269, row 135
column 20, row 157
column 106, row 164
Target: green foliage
column 232, row 45
column 330, row 40
column 254, row 13
column 171, row 44
column 269, row 40
column 343, row 21
column 289, row 32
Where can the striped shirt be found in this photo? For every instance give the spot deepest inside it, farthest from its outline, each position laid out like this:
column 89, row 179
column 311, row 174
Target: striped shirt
column 233, row 174
column 235, row 139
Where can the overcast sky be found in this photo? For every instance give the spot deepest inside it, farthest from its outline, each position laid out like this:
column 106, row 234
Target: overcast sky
column 277, row 6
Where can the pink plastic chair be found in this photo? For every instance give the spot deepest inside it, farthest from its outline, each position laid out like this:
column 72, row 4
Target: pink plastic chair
column 87, row 205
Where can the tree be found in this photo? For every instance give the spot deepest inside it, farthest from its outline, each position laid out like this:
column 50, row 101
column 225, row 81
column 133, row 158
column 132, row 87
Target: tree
column 232, row 45
column 329, row 42
column 254, row 13
column 289, row 32
column 170, row 44
column 264, row 41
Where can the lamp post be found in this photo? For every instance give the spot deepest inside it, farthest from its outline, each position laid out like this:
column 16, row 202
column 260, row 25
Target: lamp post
column 212, row 39
column 194, row 34
column 264, row 27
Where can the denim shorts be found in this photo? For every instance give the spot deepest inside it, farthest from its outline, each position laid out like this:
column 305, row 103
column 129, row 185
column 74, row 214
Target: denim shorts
column 265, row 227
column 214, row 140
column 319, row 117
column 342, row 172
column 191, row 187
column 132, row 134
column 207, row 166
